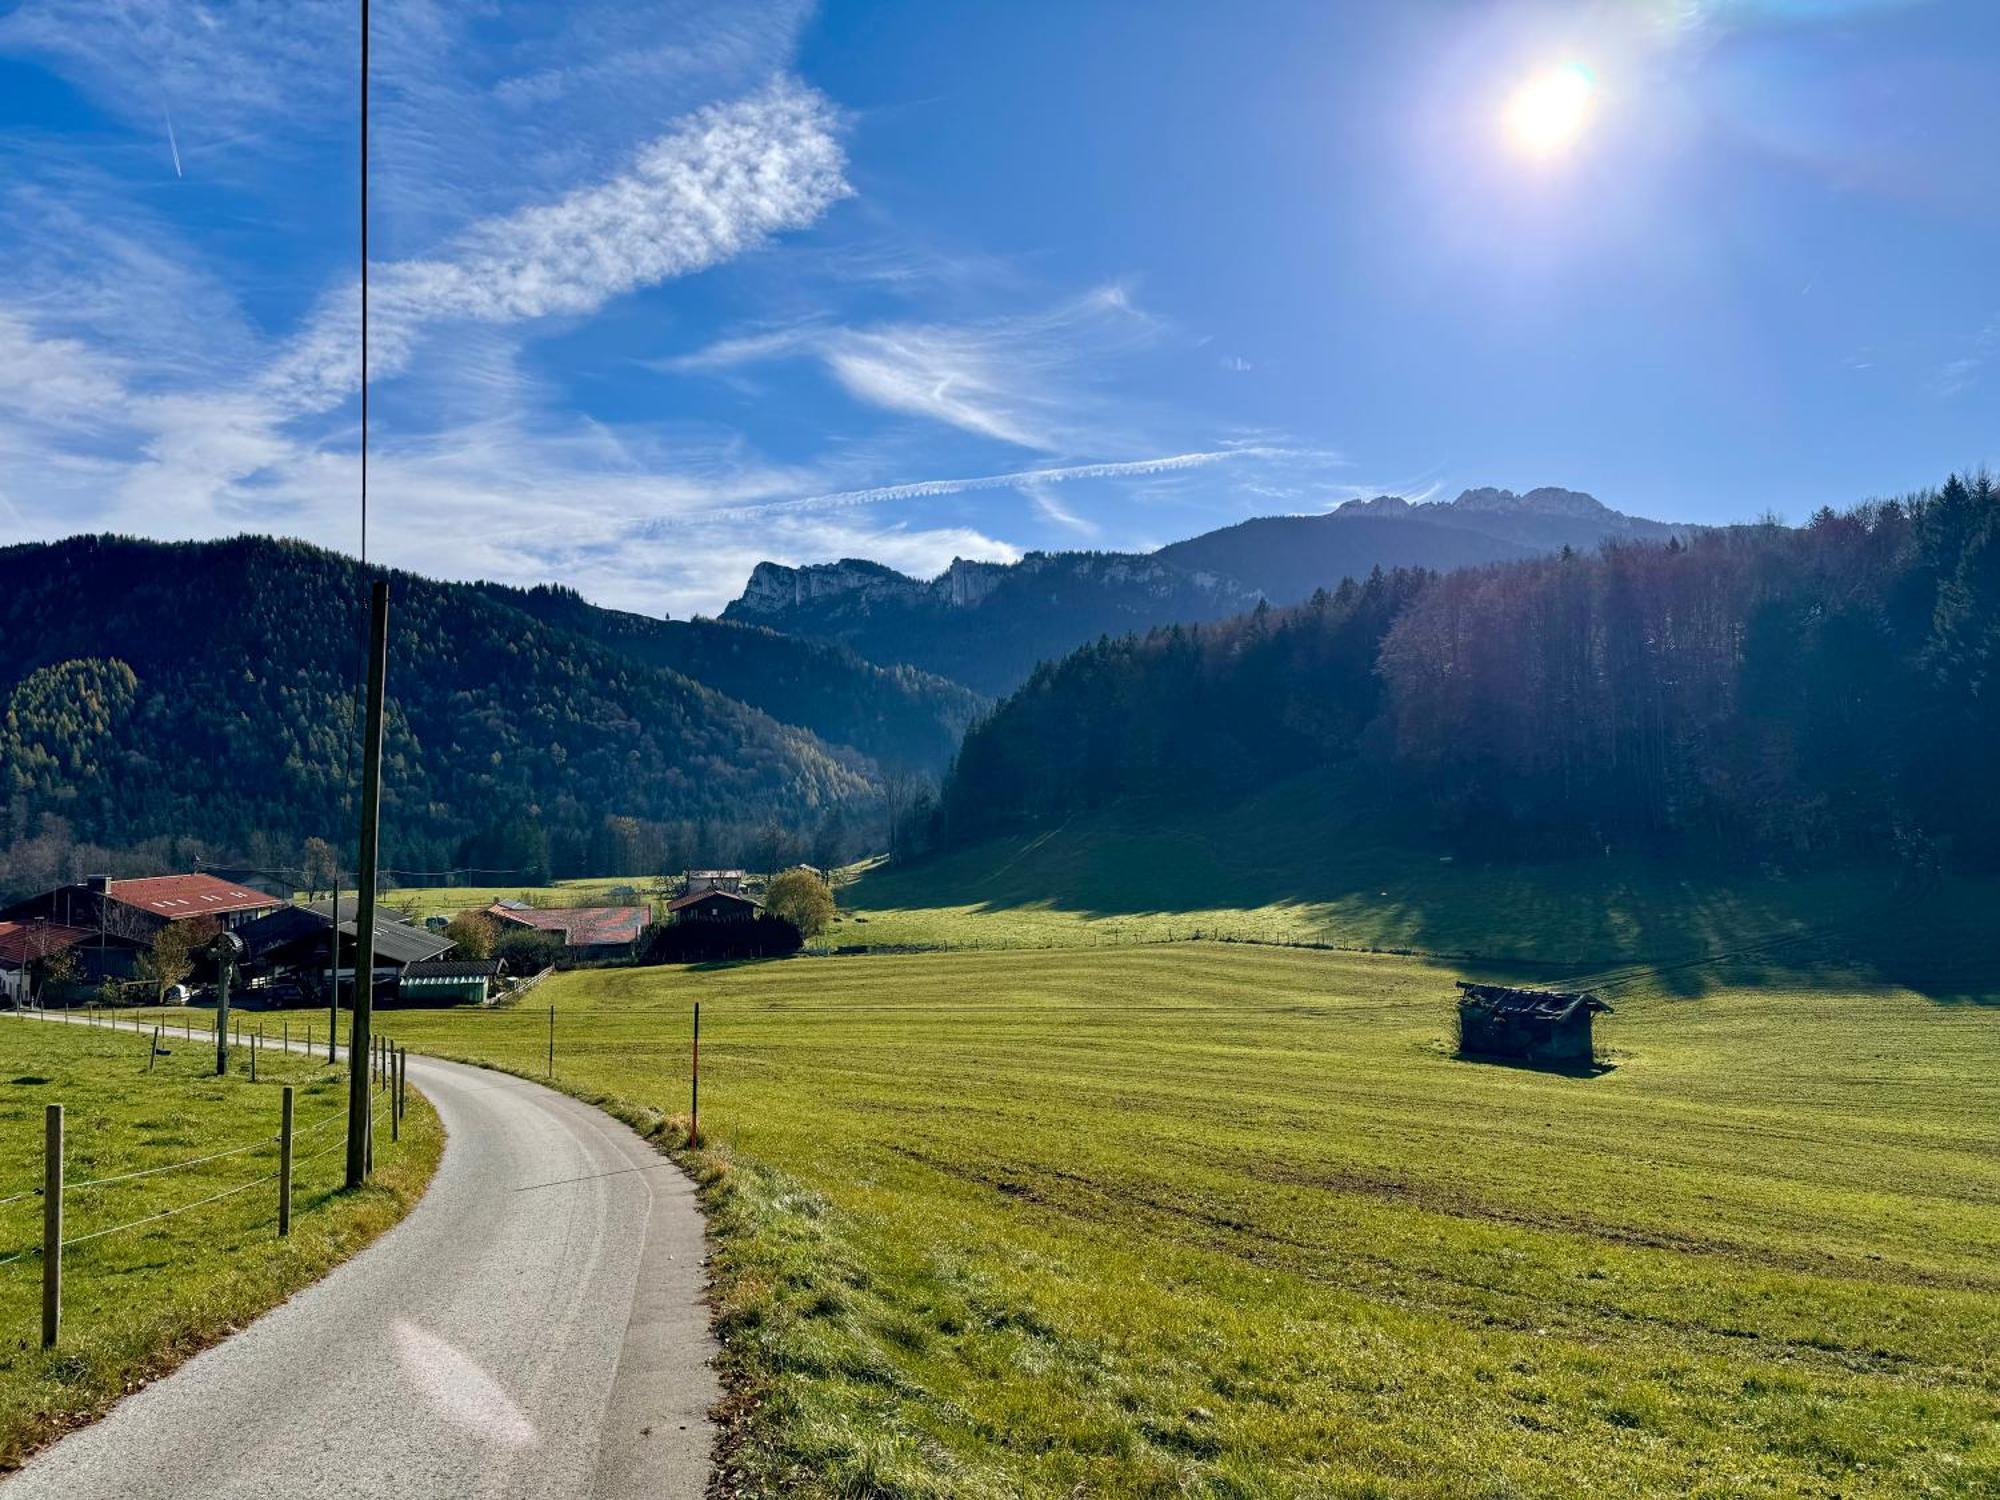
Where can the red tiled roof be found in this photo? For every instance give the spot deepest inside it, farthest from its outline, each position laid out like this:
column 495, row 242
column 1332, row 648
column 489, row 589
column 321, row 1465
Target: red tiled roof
column 23, row 942
column 177, row 896
column 581, row 926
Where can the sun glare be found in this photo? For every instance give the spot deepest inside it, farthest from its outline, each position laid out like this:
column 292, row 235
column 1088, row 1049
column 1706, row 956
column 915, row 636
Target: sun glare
column 1548, row 112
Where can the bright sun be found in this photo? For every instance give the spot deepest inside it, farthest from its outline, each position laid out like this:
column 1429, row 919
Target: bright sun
column 1548, row 112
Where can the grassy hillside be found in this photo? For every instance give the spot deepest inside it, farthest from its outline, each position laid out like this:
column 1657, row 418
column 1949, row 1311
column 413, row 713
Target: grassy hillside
column 137, row 1303
column 1232, row 1221
column 1313, row 861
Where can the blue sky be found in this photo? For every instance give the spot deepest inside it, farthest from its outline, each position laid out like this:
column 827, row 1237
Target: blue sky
column 660, row 290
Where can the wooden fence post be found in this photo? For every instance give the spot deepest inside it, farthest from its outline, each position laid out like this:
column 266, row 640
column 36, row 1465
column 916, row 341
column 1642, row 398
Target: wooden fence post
column 285, row 1164
column 253, row 1056
column 154, row 1055
column 52, row 1224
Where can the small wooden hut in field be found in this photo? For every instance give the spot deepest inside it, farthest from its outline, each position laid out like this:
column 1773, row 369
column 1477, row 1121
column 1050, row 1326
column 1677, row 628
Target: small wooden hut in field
column 1536, row 1026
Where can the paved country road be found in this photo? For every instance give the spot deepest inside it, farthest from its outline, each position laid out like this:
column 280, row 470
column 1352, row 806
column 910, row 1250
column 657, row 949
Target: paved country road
column 534, row 1327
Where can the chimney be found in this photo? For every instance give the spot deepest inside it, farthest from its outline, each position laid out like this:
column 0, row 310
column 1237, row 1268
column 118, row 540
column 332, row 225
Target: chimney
column 101, row 884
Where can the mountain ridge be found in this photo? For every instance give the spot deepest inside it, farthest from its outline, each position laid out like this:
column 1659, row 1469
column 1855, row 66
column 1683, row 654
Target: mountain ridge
column 887, row 616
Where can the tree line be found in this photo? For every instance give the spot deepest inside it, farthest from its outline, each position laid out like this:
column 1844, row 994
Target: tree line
column 1768, row 692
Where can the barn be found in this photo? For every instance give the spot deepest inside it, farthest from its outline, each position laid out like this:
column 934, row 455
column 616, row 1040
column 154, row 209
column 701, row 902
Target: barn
column 714, row 904
column 1537, row 1026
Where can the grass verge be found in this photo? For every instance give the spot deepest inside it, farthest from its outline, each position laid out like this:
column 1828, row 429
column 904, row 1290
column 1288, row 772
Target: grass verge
column 139, row 1302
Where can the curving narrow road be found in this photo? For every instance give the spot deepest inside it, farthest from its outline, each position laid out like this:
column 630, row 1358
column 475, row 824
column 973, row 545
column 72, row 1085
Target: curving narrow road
column 535, row 1327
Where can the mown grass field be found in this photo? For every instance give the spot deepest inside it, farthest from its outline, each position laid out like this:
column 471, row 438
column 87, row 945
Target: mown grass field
column 136, row 1303
column 1203, row 1219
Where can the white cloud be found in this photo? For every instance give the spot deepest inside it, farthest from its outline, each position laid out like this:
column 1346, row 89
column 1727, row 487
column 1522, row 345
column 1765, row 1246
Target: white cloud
column 718, row 184
column 1024, row 479
column 1021, row 380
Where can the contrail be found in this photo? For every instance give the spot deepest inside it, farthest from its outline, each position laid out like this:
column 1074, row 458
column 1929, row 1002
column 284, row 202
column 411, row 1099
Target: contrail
column 925, row 489
column 172, row 144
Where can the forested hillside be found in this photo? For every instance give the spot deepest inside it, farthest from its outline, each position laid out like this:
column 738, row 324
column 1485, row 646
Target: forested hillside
column 206, row 690
column 1761, row 693
column 898, row 715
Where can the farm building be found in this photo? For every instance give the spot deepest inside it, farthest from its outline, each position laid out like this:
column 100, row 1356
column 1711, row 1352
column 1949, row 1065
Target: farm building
column 122, row 916
column 448, row 981
column 714, row 904
column 25, row 950
column 696, row 881
column 292, row 943
column 588, row 932
column 1539, row 1026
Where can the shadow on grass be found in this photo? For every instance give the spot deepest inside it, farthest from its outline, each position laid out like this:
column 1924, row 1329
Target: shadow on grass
column 1320, row 861
column 1593, row 1069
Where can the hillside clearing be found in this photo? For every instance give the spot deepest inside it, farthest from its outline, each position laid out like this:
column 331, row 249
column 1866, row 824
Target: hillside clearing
column 1224, row 1220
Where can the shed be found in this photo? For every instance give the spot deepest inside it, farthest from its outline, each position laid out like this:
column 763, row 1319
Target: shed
column 460, row 981
column 1538, row 1026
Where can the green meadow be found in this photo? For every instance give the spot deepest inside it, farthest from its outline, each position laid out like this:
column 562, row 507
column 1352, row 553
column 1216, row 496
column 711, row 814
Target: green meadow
column 1227, row 1220
column 138, row 1301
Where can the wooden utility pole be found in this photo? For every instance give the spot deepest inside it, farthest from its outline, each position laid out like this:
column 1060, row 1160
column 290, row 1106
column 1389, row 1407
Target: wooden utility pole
column 333, row 967
column 359, row 1050
column 285, row 1164
column 52, row 1216
column 222, row 975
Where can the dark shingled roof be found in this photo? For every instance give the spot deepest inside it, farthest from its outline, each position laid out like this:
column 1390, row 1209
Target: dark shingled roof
column 696, row 898
column 1540, row 1005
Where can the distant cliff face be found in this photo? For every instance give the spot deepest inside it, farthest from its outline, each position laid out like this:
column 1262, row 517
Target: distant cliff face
column 987, row 624
column 984, row 624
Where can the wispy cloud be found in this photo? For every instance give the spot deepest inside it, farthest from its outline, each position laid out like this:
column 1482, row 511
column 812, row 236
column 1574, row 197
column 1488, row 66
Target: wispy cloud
column 1959, row 375
column 1023, row 479
column 1022, row 380
column 716, row 185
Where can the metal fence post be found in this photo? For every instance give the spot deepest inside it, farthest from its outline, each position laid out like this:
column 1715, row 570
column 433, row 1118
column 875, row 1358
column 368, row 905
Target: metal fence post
column 694, row 1084
column 285, row 1164
column 552, row 1041
column 52, row 1224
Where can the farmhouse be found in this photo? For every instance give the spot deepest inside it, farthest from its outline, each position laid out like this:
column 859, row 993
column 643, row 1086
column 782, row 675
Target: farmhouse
column 714, row 904
column 1540, row 1026
column 122, row 916
column 588, row 932
column 25, row 947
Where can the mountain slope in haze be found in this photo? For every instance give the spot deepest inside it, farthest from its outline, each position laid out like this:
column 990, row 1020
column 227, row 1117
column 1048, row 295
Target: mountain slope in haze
column 990, row 624
column 208, row 689
column 983, row 624
column 1757, row 693
column 898, row 715
column 1287, row 557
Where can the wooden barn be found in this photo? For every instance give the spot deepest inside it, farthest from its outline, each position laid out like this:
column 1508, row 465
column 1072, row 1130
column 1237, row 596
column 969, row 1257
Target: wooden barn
column 1536, row 1026
column 715, row 904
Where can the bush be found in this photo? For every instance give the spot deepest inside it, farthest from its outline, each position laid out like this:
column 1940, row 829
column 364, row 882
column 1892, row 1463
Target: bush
column 475, row 932
column 704, row 942
column 801, row 898
column 528, row 950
